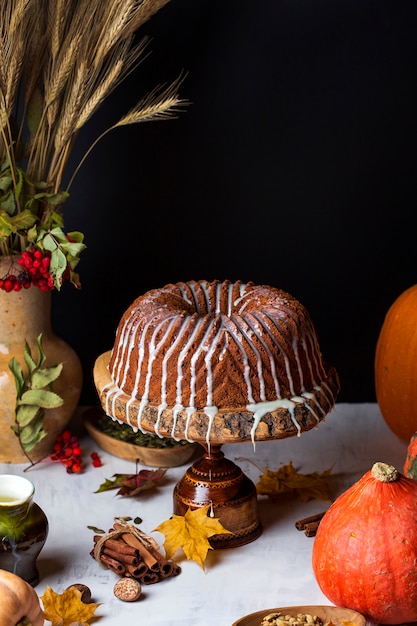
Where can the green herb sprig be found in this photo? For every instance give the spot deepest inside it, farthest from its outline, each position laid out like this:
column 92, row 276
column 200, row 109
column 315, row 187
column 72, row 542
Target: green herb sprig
column 34, row 395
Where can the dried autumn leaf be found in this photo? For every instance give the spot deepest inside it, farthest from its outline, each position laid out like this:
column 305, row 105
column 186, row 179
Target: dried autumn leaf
column 287, row 480
column 132, row 484
column 62, row 609
column 191, row 533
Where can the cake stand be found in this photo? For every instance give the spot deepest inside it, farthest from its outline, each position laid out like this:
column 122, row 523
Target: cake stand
column 214, row 480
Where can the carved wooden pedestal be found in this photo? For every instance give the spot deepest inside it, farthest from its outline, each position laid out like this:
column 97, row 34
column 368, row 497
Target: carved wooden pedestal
column 217, row 481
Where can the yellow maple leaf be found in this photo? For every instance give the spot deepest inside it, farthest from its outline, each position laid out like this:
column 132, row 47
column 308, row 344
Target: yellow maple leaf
column 191, row 533
column 287, row 480
column 64, row 608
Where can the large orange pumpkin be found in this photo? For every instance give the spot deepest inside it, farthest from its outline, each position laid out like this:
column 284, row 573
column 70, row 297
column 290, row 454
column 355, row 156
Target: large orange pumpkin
column 396, row 366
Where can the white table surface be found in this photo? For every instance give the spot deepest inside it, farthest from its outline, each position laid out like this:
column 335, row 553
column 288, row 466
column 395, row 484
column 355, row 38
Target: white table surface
column 272, row 571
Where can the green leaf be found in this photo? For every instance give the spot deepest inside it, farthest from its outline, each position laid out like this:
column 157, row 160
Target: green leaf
column 49, row 242
column 25, row 414
column 44, row 377
column 54, row 199
column 16, row 369
column 73, row 248
column 31, row 397
column 10, row 223
column 118, row 479
column 19, row 182
column 6, row 223
column 41, row 398
column 6, row 181
column 30, row 363
column 8, row 203
column 41, row 353
column 76, row 236
column 31, row 435
column 57, row 219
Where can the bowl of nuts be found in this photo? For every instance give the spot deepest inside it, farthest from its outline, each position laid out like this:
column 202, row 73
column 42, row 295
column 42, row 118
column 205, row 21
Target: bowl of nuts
column 303, row 616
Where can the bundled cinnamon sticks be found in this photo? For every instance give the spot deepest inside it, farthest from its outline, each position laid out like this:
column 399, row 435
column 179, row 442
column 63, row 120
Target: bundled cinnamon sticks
column 129, row 552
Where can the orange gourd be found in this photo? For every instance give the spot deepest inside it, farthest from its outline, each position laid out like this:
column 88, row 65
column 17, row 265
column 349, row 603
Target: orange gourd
column 396, row 365
column 19, row 602
column 365, row 549
column 410, row 463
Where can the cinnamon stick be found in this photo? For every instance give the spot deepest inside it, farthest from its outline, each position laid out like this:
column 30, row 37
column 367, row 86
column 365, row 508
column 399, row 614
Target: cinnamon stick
column 176, row 569
column 150, row 578
column 300, row 524
column 126, row 559
column 166, row 569
column 112, row 564
column 119, row 545
column 310, row 529
column 137, row 571
column 150, row 560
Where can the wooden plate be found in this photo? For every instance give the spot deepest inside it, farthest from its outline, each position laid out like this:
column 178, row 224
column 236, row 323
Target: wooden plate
column 337, row 615
column 153, row 457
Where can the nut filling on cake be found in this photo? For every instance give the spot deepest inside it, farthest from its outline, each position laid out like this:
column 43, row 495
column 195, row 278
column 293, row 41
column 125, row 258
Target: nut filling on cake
column 216, row 362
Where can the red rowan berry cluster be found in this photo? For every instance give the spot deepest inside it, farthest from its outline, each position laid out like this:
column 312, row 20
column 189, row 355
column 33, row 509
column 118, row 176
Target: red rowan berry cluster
column 36, row 264
column 95, row 459
column 35, row 271
column 15, row 282
column 68, row 452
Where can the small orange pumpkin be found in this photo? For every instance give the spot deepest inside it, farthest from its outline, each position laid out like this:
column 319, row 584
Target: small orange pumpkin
column 396, row 365
column 365, row 549
column 19, row 602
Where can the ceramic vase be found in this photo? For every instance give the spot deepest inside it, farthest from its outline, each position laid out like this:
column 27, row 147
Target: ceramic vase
column 23, row 528
column 24, row 315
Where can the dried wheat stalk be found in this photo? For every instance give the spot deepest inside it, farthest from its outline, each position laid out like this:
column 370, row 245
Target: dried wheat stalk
column 59, row 61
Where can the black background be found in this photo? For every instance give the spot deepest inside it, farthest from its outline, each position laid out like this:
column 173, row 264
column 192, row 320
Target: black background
column 294, row 166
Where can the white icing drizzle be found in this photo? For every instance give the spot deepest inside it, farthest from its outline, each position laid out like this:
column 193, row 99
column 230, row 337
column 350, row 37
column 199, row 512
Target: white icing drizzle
column 195, row 357
column 161, row 409
column 260, row 409
column 127, row 413
column 211, row 412
column 189, row 412
column 177, row 408
column 208, row 363
column 219, row 318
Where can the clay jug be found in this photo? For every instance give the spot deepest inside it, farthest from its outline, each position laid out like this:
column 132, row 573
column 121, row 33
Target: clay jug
column 24, row 315
column 23, row 528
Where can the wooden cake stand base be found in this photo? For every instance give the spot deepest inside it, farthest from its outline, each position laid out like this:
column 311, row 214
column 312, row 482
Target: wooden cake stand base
column 216, row 481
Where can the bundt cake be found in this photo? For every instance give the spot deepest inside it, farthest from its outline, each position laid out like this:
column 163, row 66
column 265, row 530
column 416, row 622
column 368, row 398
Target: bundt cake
column 216, row 362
